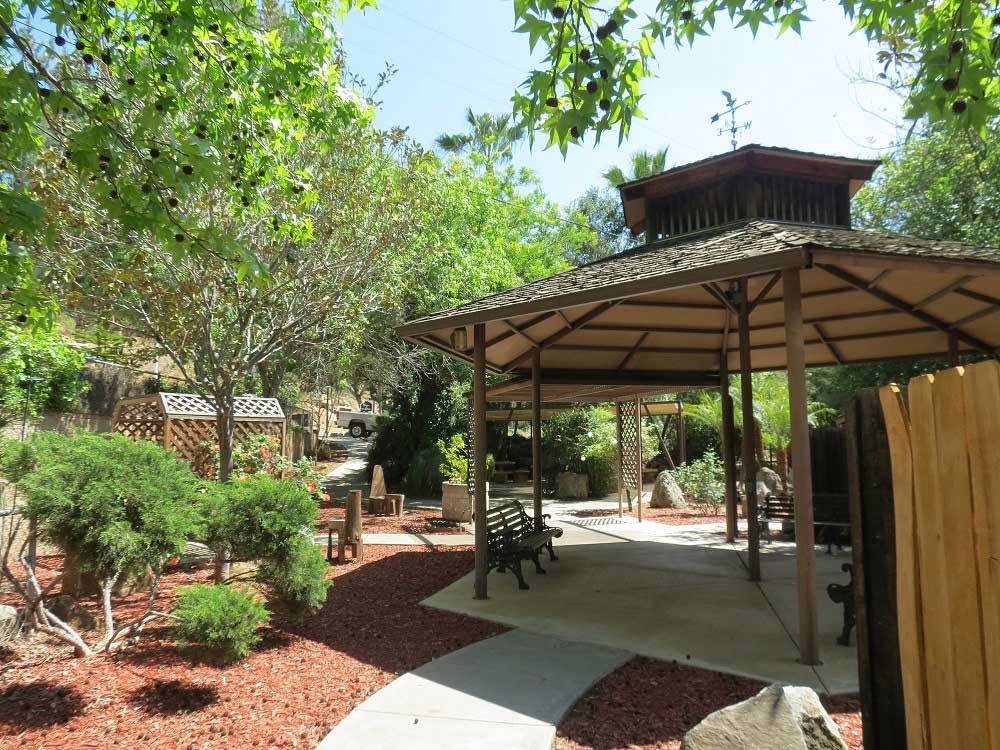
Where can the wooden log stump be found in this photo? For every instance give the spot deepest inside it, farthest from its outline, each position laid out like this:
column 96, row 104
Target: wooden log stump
column 352, row 529
column 395, row 503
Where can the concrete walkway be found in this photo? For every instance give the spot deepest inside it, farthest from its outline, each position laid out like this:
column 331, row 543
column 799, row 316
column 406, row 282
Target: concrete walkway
column 505, row 692
column 672, row 593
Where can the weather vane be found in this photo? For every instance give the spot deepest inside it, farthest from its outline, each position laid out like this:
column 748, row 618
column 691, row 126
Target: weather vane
column 731, row 108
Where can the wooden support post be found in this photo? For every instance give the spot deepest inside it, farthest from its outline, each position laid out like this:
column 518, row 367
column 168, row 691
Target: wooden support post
column 681, row 433
column 749, row 448
column 805, row 549
column 479, row 454
column 638, row 452
column 728, row 452
column 952, row 349
column 536, row 435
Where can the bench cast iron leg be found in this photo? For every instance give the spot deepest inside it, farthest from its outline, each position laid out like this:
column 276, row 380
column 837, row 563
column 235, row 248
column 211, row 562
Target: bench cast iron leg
column 516, row 569
column 552, row 551
column 538, row 566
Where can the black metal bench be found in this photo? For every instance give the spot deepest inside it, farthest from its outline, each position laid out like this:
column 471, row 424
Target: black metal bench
column 512, row 536
column 831, row 516
column 843, row 593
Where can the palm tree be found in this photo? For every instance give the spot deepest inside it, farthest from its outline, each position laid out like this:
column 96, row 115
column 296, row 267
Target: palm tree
column 642, row 164
column 492, row 137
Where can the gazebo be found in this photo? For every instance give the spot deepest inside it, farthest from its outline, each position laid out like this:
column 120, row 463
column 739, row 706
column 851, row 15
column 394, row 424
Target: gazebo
column 750, row 264
column 185, row 422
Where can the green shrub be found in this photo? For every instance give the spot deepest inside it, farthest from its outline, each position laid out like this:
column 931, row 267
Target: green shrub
column 299, row 581
column 223, row 618
column 53, row 365
column 116, row 504
column 703, row 481
column 260, row 517
column 454, row 465
column 423, row 476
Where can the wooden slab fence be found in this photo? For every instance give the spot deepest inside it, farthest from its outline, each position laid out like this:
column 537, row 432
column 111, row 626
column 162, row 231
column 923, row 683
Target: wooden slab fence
column 944, row 440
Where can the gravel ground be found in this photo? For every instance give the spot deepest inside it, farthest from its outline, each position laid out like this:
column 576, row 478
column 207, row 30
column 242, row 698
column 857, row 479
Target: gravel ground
column 649, row 704
column 412, row 522
column 302, row 680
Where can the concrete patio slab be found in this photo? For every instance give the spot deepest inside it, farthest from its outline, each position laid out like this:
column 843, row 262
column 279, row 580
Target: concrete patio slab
column 669, row 597
column 509, row 691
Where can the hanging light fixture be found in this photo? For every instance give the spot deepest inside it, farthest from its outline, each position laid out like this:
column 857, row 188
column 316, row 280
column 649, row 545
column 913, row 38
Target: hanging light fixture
column 460, row 339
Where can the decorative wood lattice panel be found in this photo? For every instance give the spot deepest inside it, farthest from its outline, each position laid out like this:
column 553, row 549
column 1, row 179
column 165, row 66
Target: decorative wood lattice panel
column 192, row 405
column 148, row 408
column 143, row 429
column 193, row 440
column 628, row 445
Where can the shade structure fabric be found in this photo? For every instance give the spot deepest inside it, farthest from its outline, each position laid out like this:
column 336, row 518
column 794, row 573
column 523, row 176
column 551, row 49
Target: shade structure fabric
column 661, row 315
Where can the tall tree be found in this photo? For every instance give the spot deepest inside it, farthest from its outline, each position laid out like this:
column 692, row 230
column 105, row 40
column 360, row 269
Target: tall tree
column 491, row 139
column 601, row 208
column 597, row 54
column 218, row 325
column 939, row 185
column 154, row 106
column 641, row 164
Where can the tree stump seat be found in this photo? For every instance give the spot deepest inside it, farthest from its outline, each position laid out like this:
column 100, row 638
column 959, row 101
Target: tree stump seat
column 512, row 536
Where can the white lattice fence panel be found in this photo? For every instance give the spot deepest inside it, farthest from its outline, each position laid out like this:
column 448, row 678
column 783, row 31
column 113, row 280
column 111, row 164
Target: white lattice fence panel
column 628, row 445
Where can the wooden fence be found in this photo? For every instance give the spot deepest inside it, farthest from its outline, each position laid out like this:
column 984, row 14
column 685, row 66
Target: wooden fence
column 944, row 441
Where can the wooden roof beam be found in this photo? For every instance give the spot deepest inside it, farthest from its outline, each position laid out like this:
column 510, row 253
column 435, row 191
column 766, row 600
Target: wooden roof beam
column 561, row 334
column 829, row 344
column 503, row 336
column 894, row 301
column 942, row 292
column 630, row 378
column 719, row 295
column 767, row 288
column 632, row 352
column 520, row 332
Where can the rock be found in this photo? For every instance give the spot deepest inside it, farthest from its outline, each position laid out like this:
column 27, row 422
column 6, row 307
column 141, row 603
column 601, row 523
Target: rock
column 771, row 481
column 70, row 611
column 570, row 486
column 8, row 621
column 666, row 492
column 778, row 718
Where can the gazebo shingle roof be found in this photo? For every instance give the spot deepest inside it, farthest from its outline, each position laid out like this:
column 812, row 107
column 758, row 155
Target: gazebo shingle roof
column 705, row 250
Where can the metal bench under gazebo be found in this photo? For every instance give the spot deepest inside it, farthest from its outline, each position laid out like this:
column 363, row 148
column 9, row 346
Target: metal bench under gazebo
column 750, row 264
column 186, row 423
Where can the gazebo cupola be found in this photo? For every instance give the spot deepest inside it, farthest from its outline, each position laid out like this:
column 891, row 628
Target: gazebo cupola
column 753, row 182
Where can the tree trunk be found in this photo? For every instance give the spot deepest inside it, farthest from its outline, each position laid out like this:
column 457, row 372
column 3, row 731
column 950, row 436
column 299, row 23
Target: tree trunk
column 271, row 376
column 225, row 406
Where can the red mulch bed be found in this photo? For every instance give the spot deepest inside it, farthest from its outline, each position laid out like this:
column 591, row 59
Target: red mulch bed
column 412, row 522
column 670, row 516
column 650, row 704
column 303, row 679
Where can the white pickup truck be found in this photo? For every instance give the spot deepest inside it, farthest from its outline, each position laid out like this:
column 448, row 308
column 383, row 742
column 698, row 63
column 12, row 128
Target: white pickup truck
column 359, row 424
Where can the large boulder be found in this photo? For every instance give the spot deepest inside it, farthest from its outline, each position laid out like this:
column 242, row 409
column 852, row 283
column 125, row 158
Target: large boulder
column 770, row 480
column 777, row 718
column 571, row 486
column 666, row 492
column 71, row 612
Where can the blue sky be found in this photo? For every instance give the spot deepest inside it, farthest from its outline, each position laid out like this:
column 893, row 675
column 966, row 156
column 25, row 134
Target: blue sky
column 457, row 53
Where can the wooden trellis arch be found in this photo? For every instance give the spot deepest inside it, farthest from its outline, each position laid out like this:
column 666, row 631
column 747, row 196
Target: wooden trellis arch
column 185, row 423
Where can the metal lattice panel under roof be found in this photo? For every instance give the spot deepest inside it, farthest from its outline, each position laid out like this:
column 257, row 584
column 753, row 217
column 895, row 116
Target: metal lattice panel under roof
column 180, row 405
